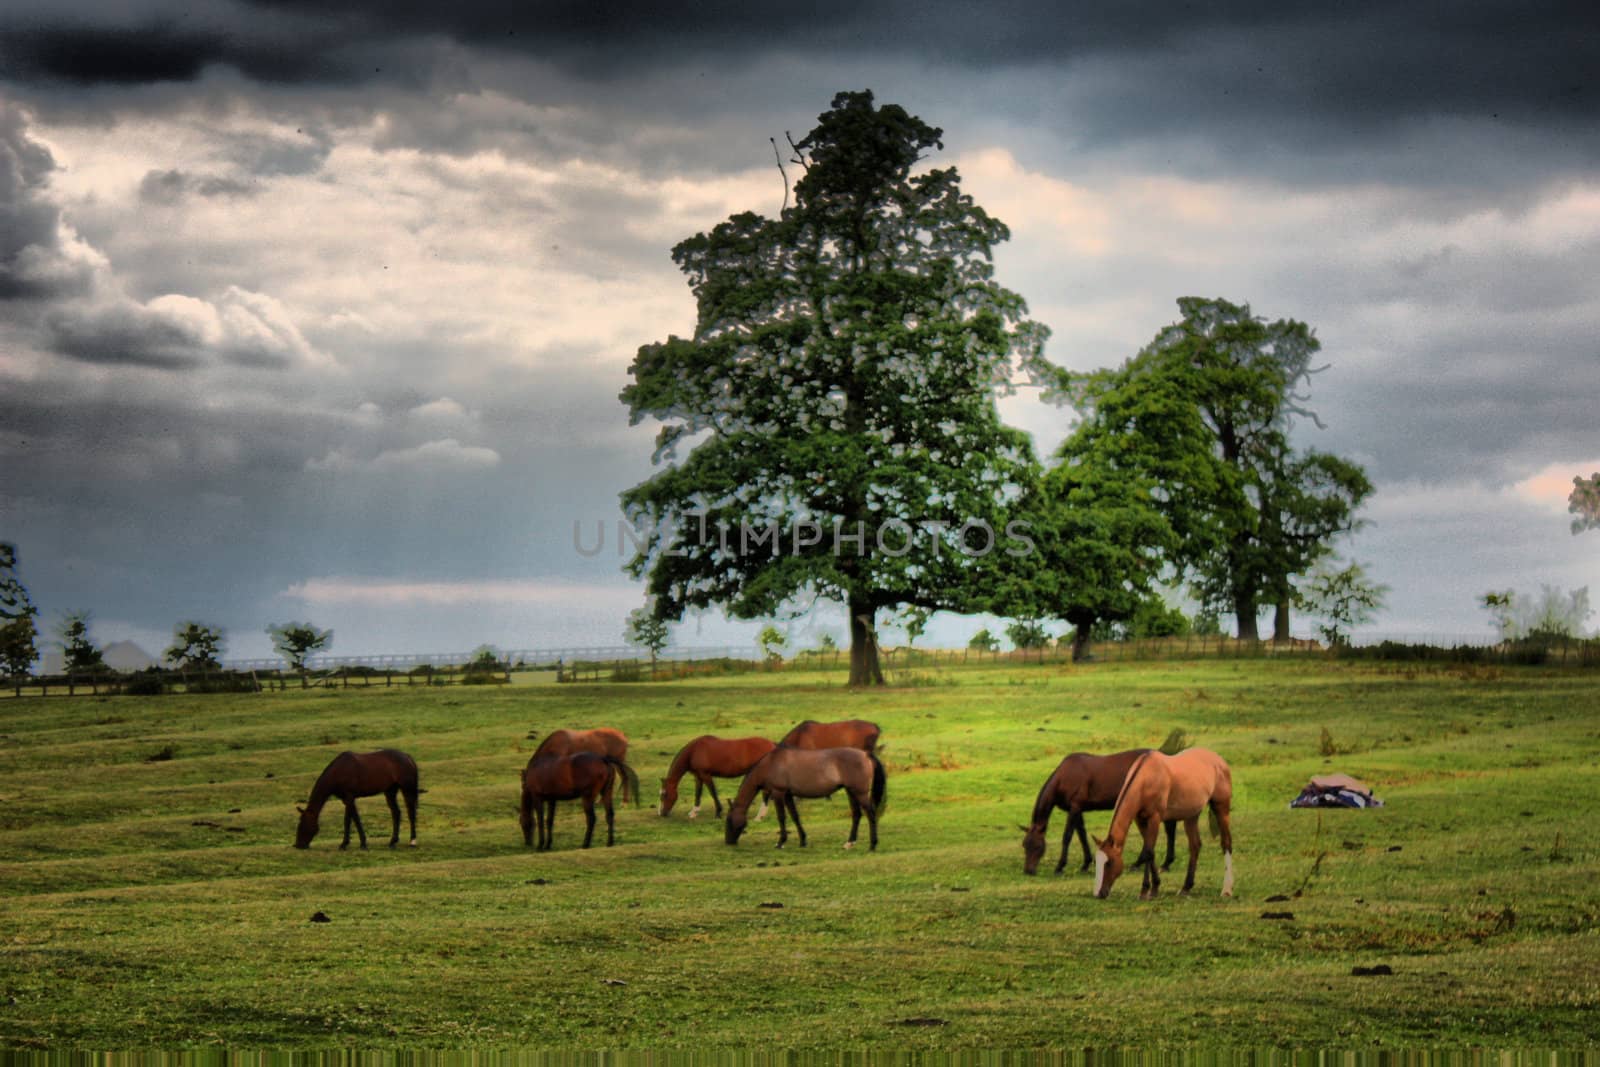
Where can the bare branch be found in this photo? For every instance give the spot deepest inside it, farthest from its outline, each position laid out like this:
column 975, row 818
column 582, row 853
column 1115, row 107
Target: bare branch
column 781, row 171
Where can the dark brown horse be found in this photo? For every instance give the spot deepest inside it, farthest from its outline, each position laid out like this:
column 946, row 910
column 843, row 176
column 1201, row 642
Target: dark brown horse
column 709, row 758
column 1161, row 787
column 1080, row 783
column 786, row 773
column 602, row 741
column 582, row 776
column 362, row 774
column 849, row 733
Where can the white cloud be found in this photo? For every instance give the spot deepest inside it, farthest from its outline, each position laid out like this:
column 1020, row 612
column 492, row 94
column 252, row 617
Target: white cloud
column 409, row 592
column 1552, row 486
column 443, row 408
column 447, row 454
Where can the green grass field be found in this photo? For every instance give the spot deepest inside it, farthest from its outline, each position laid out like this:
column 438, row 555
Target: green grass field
column 157, row 903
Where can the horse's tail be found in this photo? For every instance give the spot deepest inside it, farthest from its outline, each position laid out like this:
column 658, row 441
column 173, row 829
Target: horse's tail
column 880, row 784
column 1214, row 822
column 630, row 781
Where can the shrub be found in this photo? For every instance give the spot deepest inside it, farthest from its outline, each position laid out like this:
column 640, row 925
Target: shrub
column 145, row 684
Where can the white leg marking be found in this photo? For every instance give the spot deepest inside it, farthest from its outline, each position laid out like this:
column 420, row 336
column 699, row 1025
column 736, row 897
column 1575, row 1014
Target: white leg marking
column 762, row 814
column 1227, row 874
column 1100, row 861
column 694, row 812
column 849, row 844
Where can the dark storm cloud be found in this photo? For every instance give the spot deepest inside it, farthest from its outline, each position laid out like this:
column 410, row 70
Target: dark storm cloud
column 125, row 334
column 168, row 187
column 33, row 263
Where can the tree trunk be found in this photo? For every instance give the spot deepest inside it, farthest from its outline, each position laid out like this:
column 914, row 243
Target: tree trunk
column 864, row 668
column 1244, row 610
column 1080, row 643
column 1280, row 620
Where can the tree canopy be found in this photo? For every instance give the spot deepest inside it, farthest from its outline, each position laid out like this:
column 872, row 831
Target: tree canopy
column 839, row 393
column 296, row 641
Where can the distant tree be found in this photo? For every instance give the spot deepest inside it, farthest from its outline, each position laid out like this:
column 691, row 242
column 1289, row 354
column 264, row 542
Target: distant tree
column 647, row 629
column 1154, row 617
column 1502, row 608
column 194, row 647
column 983, row 641
column 915, row 621
column 1273, row 511
column 1344, row 598
column 771, row 640
column 1585, row 503
column 14, row 600
column 79, row 654
column 826, row 643
column 296, row 641
column 17, row 649
column 1205, row 623
column 841, row 385
column 1028, row 633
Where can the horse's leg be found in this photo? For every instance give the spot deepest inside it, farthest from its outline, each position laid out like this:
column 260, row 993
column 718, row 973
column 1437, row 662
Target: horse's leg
column 1074, row 823
column 1172, row 826
column 855, row 819
column 783, row 825
column 588, row 818
column 1225, row 828
column 411, row 813
column 761, row 813
column 392, row 795
column 349, row 808
column 527, row 818
column 611, row 818
column 794, row 813
column 549, row 825
column 872, row 823
column 711, row 784
column 1191, row 829
column 699, row 787
column 1150, row 831
column 361, row 830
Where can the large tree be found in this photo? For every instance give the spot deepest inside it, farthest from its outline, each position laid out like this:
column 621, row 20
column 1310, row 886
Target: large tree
column 1274, row 511
column 14, row 600
column 840, row 390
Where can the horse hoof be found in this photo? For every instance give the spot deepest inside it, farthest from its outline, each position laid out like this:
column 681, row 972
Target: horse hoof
column 849, row 844
column 694, row 813
column 412, row 843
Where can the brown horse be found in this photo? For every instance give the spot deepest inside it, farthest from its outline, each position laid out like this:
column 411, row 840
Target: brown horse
column 1161, row 787
column 1080, row 783
column 786, row 773
column 362, row 774
column 602, row 741
column 849, row 733
column 709, row 758
column 582, row 776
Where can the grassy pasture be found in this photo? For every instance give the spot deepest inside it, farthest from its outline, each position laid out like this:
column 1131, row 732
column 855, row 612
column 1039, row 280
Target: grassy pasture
column 124, row 924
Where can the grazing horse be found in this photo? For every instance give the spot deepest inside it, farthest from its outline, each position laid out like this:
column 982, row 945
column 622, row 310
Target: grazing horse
column 850, row 733
column 580, row 776
column 602, row 741
column 1080, row 783
column 786, row 773
column 1161, row 787
column 362, row 774
column 709, row 758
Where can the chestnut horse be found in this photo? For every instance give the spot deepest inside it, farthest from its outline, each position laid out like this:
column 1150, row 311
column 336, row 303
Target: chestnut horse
column 1080, row 783
column 709, row 758
column 602, row 741
column 362, row 774
column 1161, row 787
column 786, row 773
column 850, row 733
column 581, row 776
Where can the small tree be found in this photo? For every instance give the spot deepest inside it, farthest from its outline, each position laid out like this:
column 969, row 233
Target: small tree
column 296, row 641
column 1028, row 633
column 647, row 629
column 827, row 644
column 915, row 623
column 1345, row 598
column 771, row 641
column 1502, row 608
column 17, row 648
column 194, row 646
column 1155, row 618
column 14, row 600
column 1585, row 503
column 983, row 641
column 78, row 652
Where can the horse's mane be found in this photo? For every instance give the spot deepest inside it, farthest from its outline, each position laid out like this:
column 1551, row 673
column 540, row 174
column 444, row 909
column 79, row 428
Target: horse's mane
column 680, row 762
column 1127, row 780
column 1046, row 801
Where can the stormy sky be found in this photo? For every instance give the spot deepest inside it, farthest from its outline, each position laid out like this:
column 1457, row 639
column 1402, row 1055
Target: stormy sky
column 323, row 316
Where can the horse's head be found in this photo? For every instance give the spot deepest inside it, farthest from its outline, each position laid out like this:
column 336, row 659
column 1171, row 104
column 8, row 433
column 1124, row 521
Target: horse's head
column 737, row 817
column 669, row 796
column 1107, row 865
column 1032, row 848
column 307, row 828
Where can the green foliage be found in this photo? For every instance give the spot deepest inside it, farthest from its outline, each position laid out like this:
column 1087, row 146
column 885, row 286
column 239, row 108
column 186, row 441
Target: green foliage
column 1551, row 614
column 1206, row 623
column 194, row 647
column 17, row 649
column 983, row 641
column 1028, row 634
column 296, row 641
column 771, row 640
column 1177, row 740
column 841, row 379
column 1344, row 598
column 1584, row 502
column 79, row 654
column 147, row 683
column 647, row 628
column 915, row 622
column 14, row 599
column 1154, row 617
column 826, row 643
